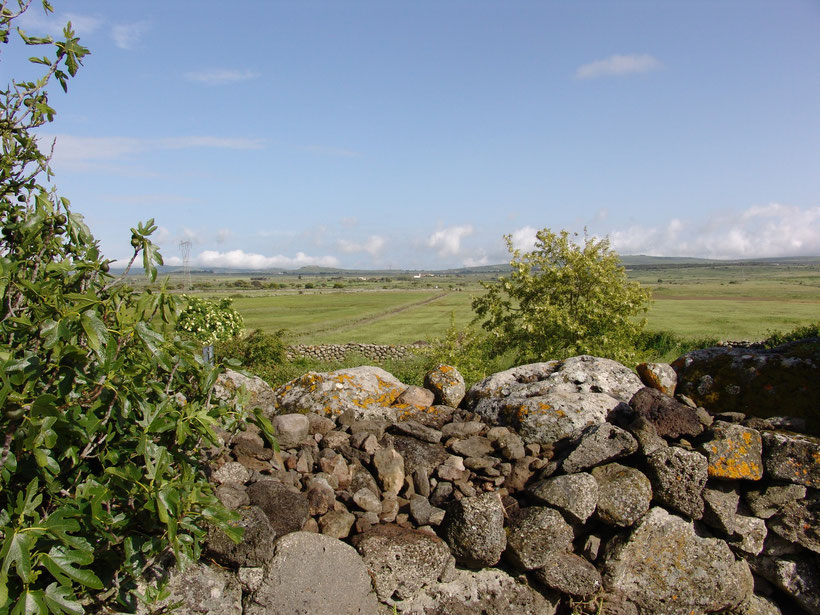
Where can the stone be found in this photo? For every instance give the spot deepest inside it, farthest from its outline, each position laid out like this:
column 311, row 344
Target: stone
column 424, row 513
column 799, row 522
column 260, row 394
column 599, row 444
column 758, row 605
column 250, row 577
column 231, row 472
column 663, row 566
column 334, row 440
column 446, row 384
column 796, row 576
column 199, row 589
column 756, row 382
column 678, row 478
column 624, row 494
column 319, row 424
column 403, row 562
column 389, row 467
column 646, row 435
column 671, row 418
column 720, row 499
column 474, row 446
column 660, row 376
column 291, row 429
column 232, row 495
column 417, row 455
column 256, row 546
column 792, row 457
column 365, row 392
column 452, row 469
column 336, row 466
column 367, row 500
column 286, row 510
column 569, row 574
column 575, row 495
column 510, row 446
column 416, row 430
column 766, row 501
column 550, row 418
column 463, row 429
column 582, row 374
column 474, row 529
column 483, row 592
column 336, row 523
column 750, row 534
column 734, row 452
column 415, row 396
column 337, row 583
column 533, row 534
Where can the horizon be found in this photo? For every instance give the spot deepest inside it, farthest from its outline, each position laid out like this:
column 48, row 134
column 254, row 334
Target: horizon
column 371, row 136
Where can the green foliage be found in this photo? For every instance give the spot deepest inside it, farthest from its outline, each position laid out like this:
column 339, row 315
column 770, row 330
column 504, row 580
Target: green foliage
column 209, row 321
column 104, row 417
column 262, row 354
column 563, row 299
column 776, row 338
column 666, row 346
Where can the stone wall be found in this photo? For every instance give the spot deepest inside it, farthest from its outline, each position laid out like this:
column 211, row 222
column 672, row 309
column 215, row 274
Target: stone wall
column 338, row 352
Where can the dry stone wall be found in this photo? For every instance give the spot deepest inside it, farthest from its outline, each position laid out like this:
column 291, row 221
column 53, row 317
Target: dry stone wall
column 555, row 487
column 338, row 352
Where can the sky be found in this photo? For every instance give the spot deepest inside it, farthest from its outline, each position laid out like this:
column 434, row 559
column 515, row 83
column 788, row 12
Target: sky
column 415, row 135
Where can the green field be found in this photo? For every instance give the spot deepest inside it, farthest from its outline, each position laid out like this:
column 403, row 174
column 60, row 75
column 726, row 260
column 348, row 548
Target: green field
column 733, row 302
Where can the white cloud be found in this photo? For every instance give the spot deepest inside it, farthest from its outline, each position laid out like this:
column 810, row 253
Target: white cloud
column 127, row 36
column 220, row 76
column 524, row 238
column 76, row 152
column 759, row 231
column 617, row 65
column 239, row 259
column 448, row 241
column 373, row 245
column 476, row 262
column 35, row 22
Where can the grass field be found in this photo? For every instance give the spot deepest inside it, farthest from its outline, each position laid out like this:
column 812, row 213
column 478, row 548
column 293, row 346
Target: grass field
column 726, row 302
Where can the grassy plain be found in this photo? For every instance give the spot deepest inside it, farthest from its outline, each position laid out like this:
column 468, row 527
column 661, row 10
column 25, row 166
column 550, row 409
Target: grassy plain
column 731, row 301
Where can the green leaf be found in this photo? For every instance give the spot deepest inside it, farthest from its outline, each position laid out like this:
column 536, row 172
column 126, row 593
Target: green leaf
column 60, row 599
column 30, row 602
column 17, row 551
column 95, row 331
column 61, row 564
column 149, row 337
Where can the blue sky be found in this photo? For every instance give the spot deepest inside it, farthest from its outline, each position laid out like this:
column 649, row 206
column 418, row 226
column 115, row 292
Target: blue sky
column 372, row 134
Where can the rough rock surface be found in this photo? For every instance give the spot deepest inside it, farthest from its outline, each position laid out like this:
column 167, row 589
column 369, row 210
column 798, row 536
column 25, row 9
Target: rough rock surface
column 474, row 529
column 624, row 494
column 755, row 382
column 600, row 444
column 569, row 574
column 257, row 542
column 576, row 495
column 260, row 394
column 678, row 478
column 447, row 385
column 660, row 376
column 337, row 581
column 671, row 418
column 534, row 534
column 799, row 522
column 792, row 457
column 733, row 451
column 367, row 392
column 664, row 567
column 201, row 590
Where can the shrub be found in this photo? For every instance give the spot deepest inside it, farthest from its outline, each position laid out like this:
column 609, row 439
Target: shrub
column 209, row 321
column 262, row 354
column 776, row 338
column 563, row 299
column 104, row 417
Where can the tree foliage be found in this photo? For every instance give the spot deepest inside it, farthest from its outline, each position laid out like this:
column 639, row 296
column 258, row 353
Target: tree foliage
column 209, row 322
column 563, row 299
column 104, row 417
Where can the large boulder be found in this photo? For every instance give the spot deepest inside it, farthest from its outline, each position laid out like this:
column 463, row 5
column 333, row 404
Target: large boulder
column 757, row 382
column 231, row 383
column 663, row 566
column 367, row 392
column 474, row 529
column 311, row 573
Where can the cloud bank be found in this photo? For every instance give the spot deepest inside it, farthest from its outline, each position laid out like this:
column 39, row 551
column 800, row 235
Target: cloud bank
column 239, row 259
column 373, row 245
column 618, row 65
column 760, row 231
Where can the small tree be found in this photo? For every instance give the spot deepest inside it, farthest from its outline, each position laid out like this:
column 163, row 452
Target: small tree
column 563, row 299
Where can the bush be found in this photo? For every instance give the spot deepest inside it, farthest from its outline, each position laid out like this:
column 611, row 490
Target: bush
column 776, row 338
column 104, row 417
column 209, row 322
column 262, row 354
column 563, row 299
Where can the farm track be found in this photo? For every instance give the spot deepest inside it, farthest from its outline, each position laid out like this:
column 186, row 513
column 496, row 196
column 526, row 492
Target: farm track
column 381, row 316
